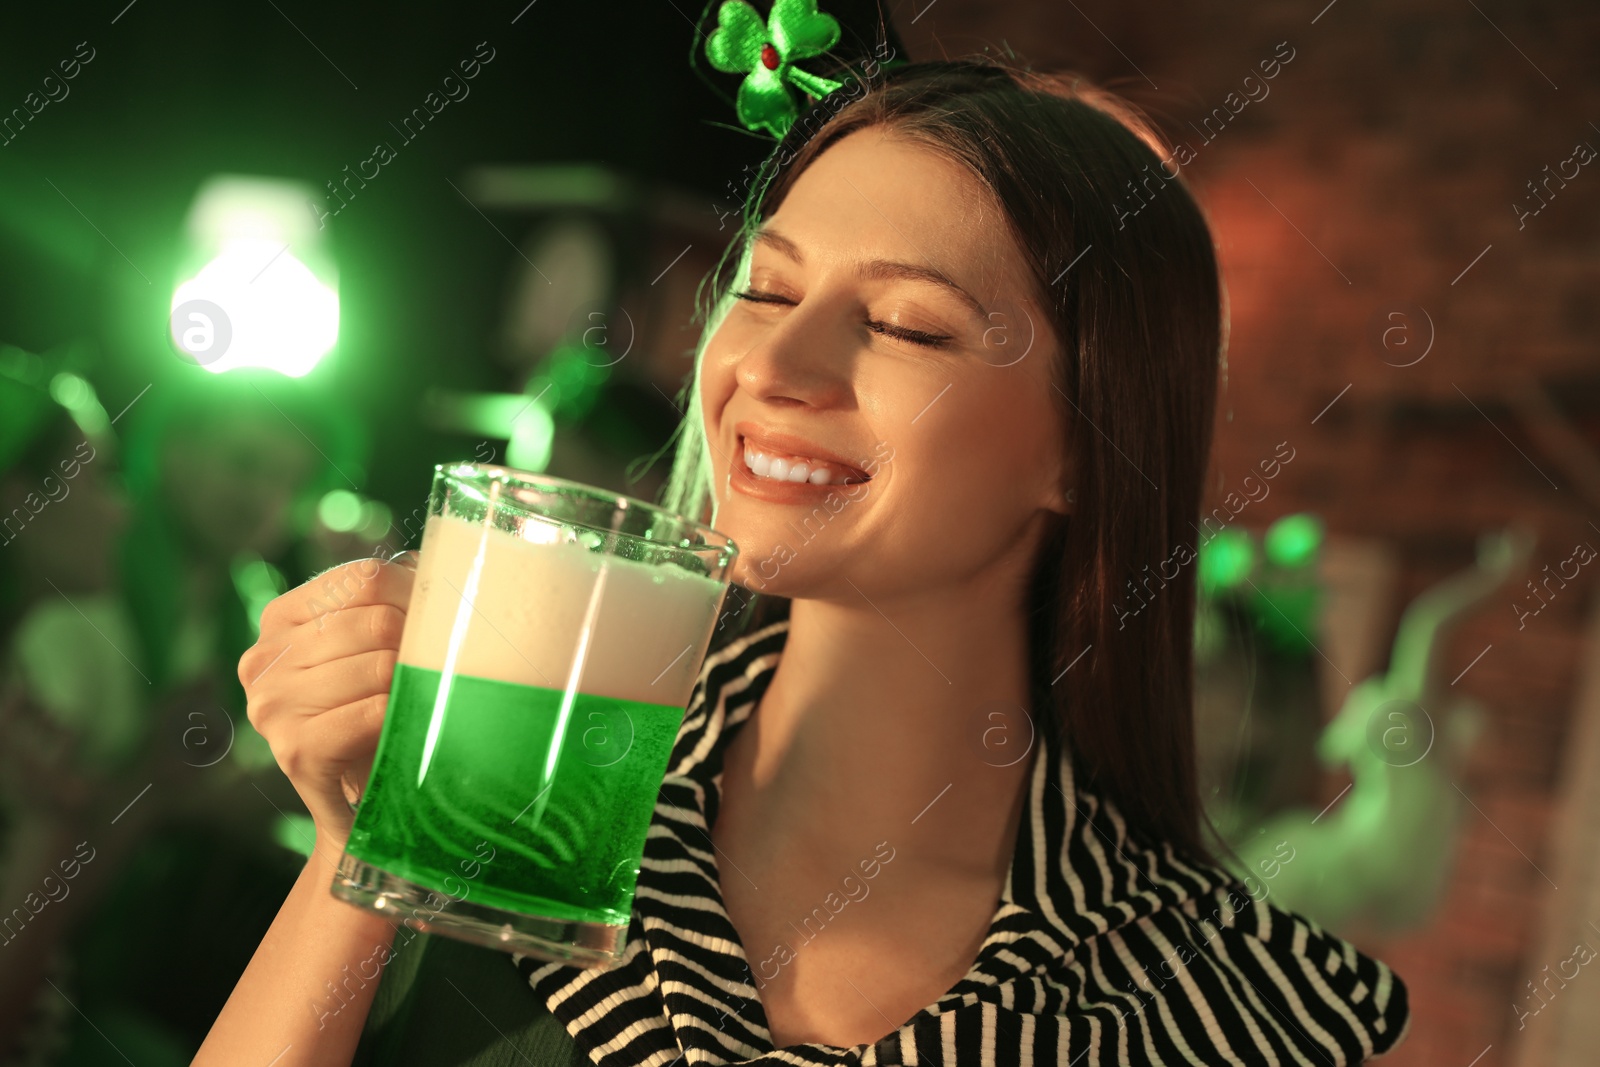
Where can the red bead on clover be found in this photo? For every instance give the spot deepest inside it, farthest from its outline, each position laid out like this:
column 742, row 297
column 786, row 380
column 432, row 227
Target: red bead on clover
column 769, row 57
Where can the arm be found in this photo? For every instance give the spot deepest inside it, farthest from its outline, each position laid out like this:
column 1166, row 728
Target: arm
column 317, row 684
column 308, row 988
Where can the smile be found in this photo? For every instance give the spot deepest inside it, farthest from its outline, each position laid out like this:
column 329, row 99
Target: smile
column 784, row 467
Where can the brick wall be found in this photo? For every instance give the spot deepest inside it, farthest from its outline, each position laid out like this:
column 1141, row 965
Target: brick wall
column 1385, row 159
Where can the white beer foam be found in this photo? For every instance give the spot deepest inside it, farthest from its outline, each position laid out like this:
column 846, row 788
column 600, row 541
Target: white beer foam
column 491, row 604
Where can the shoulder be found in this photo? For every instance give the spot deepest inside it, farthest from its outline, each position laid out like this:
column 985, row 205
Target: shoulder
column 733, row 677
column 1233, row 977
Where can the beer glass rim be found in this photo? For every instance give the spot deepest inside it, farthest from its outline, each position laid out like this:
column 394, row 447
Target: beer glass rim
column 463, row 469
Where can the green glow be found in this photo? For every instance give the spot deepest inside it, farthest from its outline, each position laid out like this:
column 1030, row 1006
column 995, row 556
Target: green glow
column 73, row 392
column 340, row 511
column 1226, row 560
column 257, row 582
column 1286, row 615
column 532, row 435
column 375, row 515
column 487, row 414
column 256, row 258
column 1210, row 637
column 295, row 832
column 1293, row 540
column 281, row 316
column 69, row 390
column 575, row 373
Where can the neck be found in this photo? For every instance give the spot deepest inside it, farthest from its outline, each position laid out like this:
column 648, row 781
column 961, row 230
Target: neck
column 902, row 718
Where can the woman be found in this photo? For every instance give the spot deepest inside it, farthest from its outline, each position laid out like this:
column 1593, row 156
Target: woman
column 975, row 300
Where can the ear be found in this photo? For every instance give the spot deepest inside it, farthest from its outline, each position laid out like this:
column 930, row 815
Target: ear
column 1058, row 489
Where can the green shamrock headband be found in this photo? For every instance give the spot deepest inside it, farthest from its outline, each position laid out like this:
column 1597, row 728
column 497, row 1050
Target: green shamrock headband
column 766, row 55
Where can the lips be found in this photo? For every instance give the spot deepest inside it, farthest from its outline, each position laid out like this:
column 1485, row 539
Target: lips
column 785, row 458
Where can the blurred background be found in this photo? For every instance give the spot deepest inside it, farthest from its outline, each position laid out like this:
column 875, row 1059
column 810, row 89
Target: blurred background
column 265, row 265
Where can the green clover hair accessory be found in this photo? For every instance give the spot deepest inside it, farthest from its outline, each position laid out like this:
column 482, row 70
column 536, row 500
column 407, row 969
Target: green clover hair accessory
column 766, row 54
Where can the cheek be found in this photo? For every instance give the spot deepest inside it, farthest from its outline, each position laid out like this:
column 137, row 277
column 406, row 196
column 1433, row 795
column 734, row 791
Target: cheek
column 718, row 379
column 994, row 444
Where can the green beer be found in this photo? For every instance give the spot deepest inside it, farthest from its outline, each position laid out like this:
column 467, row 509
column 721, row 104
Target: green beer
column 566, row 840
column 552, row 641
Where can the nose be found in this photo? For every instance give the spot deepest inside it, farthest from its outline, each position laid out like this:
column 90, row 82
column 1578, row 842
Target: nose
column 805, row 358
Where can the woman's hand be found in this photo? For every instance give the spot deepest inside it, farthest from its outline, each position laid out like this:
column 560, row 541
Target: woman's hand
column 317, row 682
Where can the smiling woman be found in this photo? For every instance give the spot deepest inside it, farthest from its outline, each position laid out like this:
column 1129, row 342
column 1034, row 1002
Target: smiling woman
column 947, row 275
column 933, row 303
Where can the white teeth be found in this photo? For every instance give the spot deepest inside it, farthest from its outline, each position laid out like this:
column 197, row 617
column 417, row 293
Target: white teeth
column 784, row 470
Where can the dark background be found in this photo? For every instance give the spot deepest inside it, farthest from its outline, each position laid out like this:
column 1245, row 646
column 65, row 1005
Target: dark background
column 1379, row 177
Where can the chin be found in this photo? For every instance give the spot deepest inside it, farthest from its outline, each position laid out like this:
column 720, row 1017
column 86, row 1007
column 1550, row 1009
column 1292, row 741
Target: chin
column 773, row 556
column 791, row 539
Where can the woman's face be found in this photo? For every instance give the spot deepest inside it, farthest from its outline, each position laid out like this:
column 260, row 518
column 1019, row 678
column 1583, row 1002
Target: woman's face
column 896, row 342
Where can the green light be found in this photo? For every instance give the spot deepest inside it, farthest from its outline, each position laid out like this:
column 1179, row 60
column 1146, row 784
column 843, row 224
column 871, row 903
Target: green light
column 1226, row 560
column 279, row 315
column 1286, row 615
column 69, row 390
column 1293, row 540
column 1210, row 636
column 375, row 515
column 576, row 373
column 257, row 582
column 258, row 288
column 532, row 435
column 340, row 511
column 73, row 392
column 297, row 833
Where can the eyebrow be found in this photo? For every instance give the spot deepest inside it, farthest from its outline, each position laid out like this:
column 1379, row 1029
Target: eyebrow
column 879, row 269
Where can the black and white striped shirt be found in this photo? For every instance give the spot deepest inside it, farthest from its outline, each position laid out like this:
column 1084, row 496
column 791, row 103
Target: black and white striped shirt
column 1101, row 950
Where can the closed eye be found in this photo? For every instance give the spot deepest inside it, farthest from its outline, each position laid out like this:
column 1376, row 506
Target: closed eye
column 902, row 333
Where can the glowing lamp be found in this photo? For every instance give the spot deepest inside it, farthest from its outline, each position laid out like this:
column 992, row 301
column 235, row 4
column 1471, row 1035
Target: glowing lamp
column 259, row 288
column 1226, row 560
column 1293, row 540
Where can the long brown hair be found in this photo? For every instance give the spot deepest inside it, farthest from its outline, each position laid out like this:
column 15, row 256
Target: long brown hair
column 1124, row 262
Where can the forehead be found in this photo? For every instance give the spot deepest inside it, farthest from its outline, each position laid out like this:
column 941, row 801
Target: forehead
column 876, row 193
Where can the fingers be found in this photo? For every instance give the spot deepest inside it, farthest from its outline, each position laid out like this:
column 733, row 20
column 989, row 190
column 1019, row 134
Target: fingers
column 345, row 735
column 349, row 631
column 361, row 583
column 317, row 680
column 295, row 694
column 322, row 750
column 347, row 680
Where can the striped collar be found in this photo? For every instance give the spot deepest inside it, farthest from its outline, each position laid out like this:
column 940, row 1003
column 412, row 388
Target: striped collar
column 684, row 987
